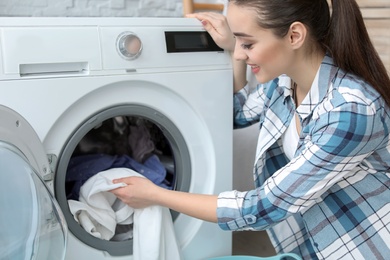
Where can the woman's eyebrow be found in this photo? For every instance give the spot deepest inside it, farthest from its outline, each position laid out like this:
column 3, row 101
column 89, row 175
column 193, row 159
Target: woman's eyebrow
column 239, row 34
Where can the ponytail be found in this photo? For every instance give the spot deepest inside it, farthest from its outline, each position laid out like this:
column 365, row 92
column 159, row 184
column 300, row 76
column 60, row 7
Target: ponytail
column 351, row 48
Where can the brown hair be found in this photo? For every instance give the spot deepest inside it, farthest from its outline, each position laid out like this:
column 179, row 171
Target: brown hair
column 343, row 34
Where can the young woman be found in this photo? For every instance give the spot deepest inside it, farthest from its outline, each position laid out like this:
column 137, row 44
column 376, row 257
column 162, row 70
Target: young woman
column 322, row 168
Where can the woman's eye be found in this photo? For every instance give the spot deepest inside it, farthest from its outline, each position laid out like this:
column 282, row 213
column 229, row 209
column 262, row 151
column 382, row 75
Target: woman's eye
column 246, row 46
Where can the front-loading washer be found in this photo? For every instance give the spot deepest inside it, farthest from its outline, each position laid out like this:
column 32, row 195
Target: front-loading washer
column 82, row 83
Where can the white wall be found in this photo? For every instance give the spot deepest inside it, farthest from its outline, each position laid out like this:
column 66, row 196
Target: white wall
column 100, row 8
column 90, row 8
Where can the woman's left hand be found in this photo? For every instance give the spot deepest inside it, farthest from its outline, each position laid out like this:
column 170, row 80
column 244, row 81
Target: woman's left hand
column 217, row 26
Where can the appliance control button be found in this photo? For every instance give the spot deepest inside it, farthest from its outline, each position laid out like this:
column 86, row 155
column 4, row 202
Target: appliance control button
column 129, row 45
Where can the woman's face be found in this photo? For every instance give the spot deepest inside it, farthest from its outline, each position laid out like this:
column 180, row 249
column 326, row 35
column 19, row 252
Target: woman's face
column 268, row 56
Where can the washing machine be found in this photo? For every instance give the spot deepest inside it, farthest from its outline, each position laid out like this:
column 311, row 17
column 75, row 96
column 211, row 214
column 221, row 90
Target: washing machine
column 134, row 87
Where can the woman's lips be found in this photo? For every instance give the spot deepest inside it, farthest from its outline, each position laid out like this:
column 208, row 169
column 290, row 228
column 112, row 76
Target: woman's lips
column 255, row 69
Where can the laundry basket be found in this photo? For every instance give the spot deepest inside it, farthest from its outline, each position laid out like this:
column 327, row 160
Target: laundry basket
column 287, row 256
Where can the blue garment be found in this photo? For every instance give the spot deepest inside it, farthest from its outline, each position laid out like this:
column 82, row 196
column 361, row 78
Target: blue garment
column 83, row 167
column 332, row 200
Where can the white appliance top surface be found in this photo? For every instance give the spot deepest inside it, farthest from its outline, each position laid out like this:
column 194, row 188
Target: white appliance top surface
column 62, row 47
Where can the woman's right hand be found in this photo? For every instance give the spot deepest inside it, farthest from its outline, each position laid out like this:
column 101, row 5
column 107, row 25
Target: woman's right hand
column 216, row 25
column 139, row 192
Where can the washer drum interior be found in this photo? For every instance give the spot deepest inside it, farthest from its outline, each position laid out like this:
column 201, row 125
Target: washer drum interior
column 176, row 160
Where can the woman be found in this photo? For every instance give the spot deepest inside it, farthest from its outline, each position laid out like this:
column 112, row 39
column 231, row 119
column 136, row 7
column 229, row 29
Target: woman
column 322, row 168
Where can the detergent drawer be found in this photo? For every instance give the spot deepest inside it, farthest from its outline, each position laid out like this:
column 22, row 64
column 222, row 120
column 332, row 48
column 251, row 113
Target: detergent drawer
column 50, row 50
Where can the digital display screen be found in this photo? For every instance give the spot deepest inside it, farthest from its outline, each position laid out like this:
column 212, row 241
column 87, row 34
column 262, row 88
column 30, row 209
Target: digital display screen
column 190, row 42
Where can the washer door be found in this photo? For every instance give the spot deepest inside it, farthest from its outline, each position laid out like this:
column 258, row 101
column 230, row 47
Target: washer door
column 31, row 224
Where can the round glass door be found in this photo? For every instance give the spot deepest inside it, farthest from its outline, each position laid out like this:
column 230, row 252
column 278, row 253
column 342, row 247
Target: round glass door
column 31, row 223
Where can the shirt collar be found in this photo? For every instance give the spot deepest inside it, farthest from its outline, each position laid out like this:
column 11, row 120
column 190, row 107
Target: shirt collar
column 319, row 88
column 311, row 99
column 285, row 83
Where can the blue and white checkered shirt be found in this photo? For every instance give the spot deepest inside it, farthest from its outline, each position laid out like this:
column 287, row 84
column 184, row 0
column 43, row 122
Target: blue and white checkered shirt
column 332, row 200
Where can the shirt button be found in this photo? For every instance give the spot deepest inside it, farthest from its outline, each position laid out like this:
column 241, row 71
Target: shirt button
column 250, row 219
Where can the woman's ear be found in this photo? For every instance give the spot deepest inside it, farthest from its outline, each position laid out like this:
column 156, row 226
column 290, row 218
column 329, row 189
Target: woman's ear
column 297, row 34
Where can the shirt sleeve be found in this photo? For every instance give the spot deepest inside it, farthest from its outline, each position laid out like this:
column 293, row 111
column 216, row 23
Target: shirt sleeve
column 248, row 105
column 337, row 141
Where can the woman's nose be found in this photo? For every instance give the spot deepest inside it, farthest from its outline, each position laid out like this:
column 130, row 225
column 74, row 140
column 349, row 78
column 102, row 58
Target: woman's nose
column 239, row 53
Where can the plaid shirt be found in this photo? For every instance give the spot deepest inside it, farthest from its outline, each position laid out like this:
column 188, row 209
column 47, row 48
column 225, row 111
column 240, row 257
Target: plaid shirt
column 332, row 200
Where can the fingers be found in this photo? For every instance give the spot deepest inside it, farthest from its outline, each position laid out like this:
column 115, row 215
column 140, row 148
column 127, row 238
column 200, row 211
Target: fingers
column 127, row 180
column 116, row 191
column 206, row 15
column 137, row 193
column 210, row 18
column 121, row 180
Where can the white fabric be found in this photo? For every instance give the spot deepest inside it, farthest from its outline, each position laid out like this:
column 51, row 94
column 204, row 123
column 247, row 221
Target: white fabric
column 290, row 139
column 99, row 211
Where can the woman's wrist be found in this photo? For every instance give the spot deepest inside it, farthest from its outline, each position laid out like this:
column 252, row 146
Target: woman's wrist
column 239, row 74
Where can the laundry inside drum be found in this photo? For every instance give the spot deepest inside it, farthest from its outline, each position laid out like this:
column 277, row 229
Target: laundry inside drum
column 121, row 143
